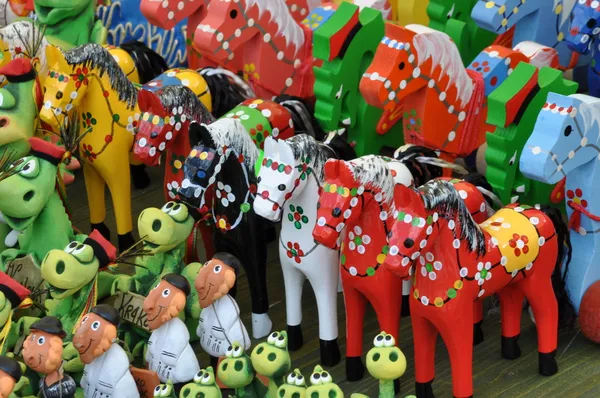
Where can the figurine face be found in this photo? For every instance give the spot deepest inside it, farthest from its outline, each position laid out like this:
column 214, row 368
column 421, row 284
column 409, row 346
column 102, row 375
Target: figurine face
column 322, row 385
column 42, row 351
column 236, row 371
column 164, row 229
column 93, row 337
column 163, row 303
column 68, row 270
column 204, row 385
column 385, row 361
column 271, row 358
column 214, row 281
column 7, row 384
column 294, row 386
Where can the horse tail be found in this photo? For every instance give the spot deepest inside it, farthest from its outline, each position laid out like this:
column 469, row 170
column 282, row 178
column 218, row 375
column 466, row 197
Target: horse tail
column 148, row 62
column 483, row 186
column 302, row 116
column 227, row 89
column 566, row 310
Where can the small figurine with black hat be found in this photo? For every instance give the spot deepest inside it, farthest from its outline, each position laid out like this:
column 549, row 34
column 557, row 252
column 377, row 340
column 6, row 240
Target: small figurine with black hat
column 106, row 372
column 220, row 323
column 10, row 374
column 169, row 352
column 42, row 352
column 13, row 296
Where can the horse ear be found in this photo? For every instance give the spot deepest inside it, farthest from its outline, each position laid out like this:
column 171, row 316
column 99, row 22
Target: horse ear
column 403, row 196
column 270, row 145
column 149, row 102
column 199, row 133
column 54, row 55
column 332, row 168
column 285, row 152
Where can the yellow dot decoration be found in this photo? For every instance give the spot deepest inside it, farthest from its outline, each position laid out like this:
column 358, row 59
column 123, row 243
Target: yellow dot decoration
column 558, row 9
column 504, row 22
column 523, row 1
column 193, row 153
column 516, row 10
column 380, row 258
column 222, row 224
column 458, row 285
column 177, row 164
column 332, row 188
column 416, row 294
column 167, row 120
column 146, row 116
column 501, row 10
column 346, row 193
column 438, row 302
column 203, row 155
column 490, row 4
column 155, row 120
column 561, row 36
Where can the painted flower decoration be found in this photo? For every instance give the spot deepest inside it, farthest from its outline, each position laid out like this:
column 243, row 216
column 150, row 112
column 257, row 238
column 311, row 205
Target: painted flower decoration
column 297, row 216
column 481, row 67
column 172, row 189
column 250, row 73
column 259, row 133
column 294, row 251
column 88, row 121
column 156, row 83
column 132, row 122
column 177, row 163
column 519, row 243
column 238, row 115
column 313, row 21
column 224, row 194
column 223, row 223
column 80, row 76
column 484, row 272
column 358, row 241
column 429, row 266
column 496, row 224
column 89, row 153
column 576, row 196
column 412, row 122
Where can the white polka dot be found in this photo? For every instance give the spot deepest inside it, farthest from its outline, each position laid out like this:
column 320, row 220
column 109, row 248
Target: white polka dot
column 171, row 15
column 464, row 272
column 220, row 37
column 383, row 215
column 411, row 58
column 584, row 141
column 405, row 261
column 353, row 271
column 424, row 300
column 394, row 250
column 585, row 38
column 451, row 109
column 429, row 256
column 347, row 214
column 226, row 45
column 391, row 95
column 431, row 83
column 321, row 222
column 494, row 241
column 451, row 136
column 423, row 243
column 463, row 194
column 571, row 154
column 504, row 260
column 403, row 84
column 407, row 218
column 267, row 38
column 451, row 224
column 432, row 276
column 416, row 72
column 429, row 230
column 482, row 208
column 423, row 271
column 437, row 265
column 456, row 243
column 541, row 241
column 415, row 255
column 582, row 231
column 481, row 293
column 280, row 55
column 534, row 220
column 462, row 116
column 237, row 33
column 529, row 266
column 165, row 4
column 266, row 113
column 251, row 22
column 442, row 96
column 288, row 82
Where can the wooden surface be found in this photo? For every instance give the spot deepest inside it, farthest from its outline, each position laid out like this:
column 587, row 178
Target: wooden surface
column 579, row 359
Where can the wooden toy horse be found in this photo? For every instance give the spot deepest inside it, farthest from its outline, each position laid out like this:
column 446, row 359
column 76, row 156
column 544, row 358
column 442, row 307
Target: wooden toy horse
column 455, row 262
column 88, row 78
column 564, row 143
column 454, row 18
column 289, row 184
column 583, row 38
column 275, row 50
column 421, row 70
column 541, row 21
column 513, row 109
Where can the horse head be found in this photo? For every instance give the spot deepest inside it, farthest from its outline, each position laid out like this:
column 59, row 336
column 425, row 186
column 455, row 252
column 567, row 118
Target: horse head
column 494, row 64
column 155, row 129
column 585, row 26
column 168, row 13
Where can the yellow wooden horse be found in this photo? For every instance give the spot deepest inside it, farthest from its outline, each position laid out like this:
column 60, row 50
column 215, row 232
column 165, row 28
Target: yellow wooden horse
column 89, row 79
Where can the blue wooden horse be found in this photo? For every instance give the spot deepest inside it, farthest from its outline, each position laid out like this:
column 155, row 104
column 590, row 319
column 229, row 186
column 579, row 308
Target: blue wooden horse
column 583, row 38
column 565, row 143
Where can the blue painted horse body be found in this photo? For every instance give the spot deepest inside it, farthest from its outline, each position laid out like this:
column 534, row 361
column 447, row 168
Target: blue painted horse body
column 583, row 38
column 566, row 143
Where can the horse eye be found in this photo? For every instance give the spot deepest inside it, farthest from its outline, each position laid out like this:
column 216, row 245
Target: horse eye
column 568, row 130
column 259, row 179
column 281, row 187
column 336, row 212
column 401, row 66
column 233, row 14
column 591, row 23
column 59, row 94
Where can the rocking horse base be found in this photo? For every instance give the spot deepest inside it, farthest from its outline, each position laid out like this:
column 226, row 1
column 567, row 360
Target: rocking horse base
column 139, row 177
column 355, row 369
column 478, row 333
column 547, row 363
column 510, row 348
column 330, row 352
column 424, row 390
column 295, row 339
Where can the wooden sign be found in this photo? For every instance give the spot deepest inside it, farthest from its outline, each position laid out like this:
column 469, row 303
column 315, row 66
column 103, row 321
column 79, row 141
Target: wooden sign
column 146, row 381
column 131, row 309
column 27, row 273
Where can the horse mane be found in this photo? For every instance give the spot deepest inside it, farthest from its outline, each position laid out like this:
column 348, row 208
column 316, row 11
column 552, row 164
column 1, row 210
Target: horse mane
column 442, row 197
column 589, row 111
column 411, row 156
column 372, row 171
column 231, row 133
column 97, row 57
column 305, row 146
column 180, row 96
column 442, row 51
column 286, row 25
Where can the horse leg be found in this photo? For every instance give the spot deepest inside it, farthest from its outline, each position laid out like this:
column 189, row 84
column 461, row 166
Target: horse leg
column 511, row 307
column 540, row 294
column 406, row 287
column 95, row 186
column 139, row 176
column 424, row 339
column 477, row 322
column 255, row 250
column 356, row 305
column 119, row 185
column 293, row 280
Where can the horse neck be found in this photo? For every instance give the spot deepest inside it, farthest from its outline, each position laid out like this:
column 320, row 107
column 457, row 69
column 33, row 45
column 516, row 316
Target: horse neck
column 533, row 24
column 370, row 214
column 587, row 179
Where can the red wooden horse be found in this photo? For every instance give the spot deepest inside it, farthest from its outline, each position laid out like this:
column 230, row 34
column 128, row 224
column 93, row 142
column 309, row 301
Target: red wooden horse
column 516, row 253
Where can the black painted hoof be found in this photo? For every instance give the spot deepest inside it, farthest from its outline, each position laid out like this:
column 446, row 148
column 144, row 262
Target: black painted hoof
column 139, row 176
column 510, row 347
column 424, row 390
column 125, row 241
column 103, row 229
column 295, row 339
column 548, row 365
column 405, row 306
column 330, row 352
column 478, row 333
column 355, row 369
column 396, row 386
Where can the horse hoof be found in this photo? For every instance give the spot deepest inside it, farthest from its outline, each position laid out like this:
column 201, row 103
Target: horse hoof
column 510, row 347
column 295, row 339
column 548, row 365
column 405, row 306
column 330, row 352
column 424, row 390
column 478, row 333
column 261, row 325
column 139, row 176
column 355, row 369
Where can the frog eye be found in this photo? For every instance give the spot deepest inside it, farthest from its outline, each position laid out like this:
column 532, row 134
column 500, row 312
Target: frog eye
column 79, row 249
column 237, row 352
column 315, row 379
column 175, row 210
column 167, row 207
column 300, row 380
column 157, row 390
column 29, row 167
column 198, row 376
column 70, row 247
column 378, row 340
column 166, row 390
column 291, row 379
column 272, row 338
column 389, row 341
column 326, row 378
column 207, row 379
column 229, row 352
column 280, row 342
